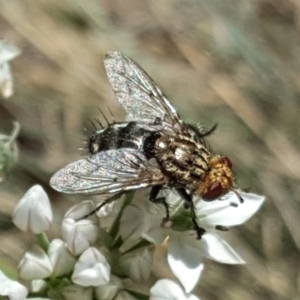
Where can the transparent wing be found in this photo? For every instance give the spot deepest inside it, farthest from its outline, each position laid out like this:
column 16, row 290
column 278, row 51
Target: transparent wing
column 137, row 92
column 108, row 172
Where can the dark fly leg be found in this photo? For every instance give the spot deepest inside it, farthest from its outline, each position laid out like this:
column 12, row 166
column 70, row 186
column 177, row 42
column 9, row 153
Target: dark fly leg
column 222, row 228
column 200, row 132
column 161, row 200
column 188, row 202
column 102, row 204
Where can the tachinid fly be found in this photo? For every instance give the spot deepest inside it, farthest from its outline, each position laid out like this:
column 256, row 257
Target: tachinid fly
column 157, row 149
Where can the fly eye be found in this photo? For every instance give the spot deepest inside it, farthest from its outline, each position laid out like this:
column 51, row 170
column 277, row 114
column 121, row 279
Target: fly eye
column 227, row 162
column 214, row 192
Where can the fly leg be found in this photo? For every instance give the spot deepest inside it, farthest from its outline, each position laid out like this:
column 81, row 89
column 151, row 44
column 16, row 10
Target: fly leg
column 161, row 200
column 188, row 203
column 103, row 203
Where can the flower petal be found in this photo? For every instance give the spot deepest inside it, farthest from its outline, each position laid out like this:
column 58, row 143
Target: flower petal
column 166, row 289
column 11, row 288
column 38, row 286
column 33, row 212
column 61, row 259
column 35, row 264
column 214, row 247
column 82, row 209
column 137, row 220
column 185, row 262
column 137, row 264
column 92, row 269
column 110, row 290
column 224, row 212
column 79, row 235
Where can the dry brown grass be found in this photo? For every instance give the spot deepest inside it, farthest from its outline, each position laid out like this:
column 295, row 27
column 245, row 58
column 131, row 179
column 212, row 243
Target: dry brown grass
column 236, row 63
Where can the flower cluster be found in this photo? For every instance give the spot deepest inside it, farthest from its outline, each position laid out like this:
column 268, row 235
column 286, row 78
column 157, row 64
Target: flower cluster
column 123, row 252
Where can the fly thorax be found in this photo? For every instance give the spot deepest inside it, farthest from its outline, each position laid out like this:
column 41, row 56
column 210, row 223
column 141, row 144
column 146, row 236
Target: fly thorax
column 181, row 159
column 218, row 180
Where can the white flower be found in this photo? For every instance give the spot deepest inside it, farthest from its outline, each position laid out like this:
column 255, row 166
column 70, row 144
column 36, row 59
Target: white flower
column 33, row 212
column 8, row 150
column 7, row 53
column 38, row 286
column 91, row 269
column 80, row 235
column 185, row 253
column 35, row 264
column 11, row 289
column 110, row 290
column 61, row 259
column 166, row 289
column 137, row 264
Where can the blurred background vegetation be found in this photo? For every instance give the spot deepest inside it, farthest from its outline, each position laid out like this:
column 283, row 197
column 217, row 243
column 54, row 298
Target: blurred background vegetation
column 235, row 63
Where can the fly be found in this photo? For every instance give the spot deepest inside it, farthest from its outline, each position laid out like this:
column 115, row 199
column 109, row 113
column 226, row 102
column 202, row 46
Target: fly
column 157, row 149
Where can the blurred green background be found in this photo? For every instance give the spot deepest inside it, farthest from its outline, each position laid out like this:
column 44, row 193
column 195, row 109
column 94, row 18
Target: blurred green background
column 235, row 63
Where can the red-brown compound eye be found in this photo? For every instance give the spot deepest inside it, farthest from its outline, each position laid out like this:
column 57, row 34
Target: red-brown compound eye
column 214, row 192
column 227, row 162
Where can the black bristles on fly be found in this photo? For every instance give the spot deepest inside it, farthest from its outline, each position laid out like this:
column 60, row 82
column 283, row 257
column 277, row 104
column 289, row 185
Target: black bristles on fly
column 99, row 123
column 112, row 116
column 104, row 117
column 93, row 124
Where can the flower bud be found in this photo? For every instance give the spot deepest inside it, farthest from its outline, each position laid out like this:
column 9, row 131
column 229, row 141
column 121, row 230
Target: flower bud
column 137, row 264
column 110, row 290
column 61, row 259
column 35, row 264
column 11, row 289
column 80, row 235
column 38, row 286
column 33, row 212
column 92, row 269
column 7, row 53
column 6, row 80
column 8, row 151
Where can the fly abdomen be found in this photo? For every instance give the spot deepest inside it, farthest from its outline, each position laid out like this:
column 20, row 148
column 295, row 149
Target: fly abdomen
column 131, row 135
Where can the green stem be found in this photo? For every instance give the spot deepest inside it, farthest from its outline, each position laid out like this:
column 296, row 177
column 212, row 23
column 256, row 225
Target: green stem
column 43, row 241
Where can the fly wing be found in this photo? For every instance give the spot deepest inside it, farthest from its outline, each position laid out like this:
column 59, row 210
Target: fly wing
column 137, row 92
column 108, row 172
